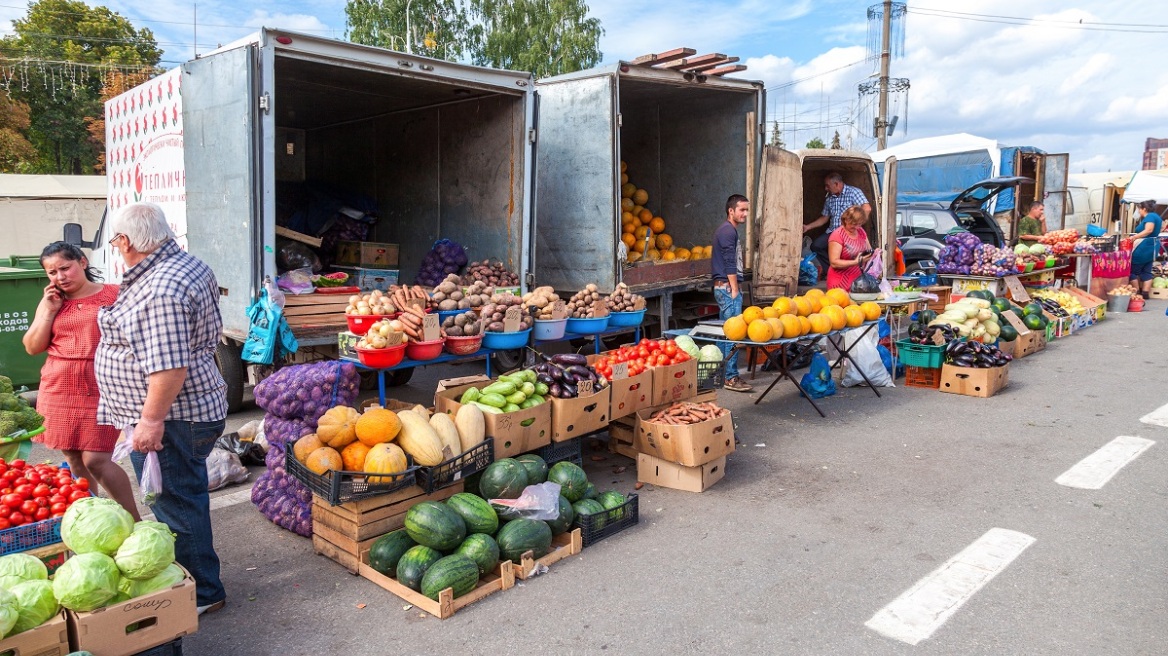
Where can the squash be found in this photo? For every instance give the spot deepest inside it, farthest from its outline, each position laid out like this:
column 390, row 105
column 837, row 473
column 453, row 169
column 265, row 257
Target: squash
column 471, row 426
column 353, row 456
column 376, row 426
column 305, row 446
column 421, row 410
column 323, row 460
column 385, row 458
column 335, row 428
column 418, row 439
column 443, row 425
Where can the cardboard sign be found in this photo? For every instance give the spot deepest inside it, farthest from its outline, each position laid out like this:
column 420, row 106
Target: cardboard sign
column 638, row 303
column 600, row 309
column 1017, row 291
column 394, row 338
column 512, row 319
column 620, row 371
column 939, row 338
column 585, row 388
column 419, row 303
column 1016, row 321
column 431, row 329
column 559, row 310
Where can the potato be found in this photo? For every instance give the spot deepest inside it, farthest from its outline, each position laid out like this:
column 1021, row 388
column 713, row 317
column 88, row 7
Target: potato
column 456, row 295
column 454, row 331
column 448, row 305
column 495, row 327
column 438, row 297
column 471, row 328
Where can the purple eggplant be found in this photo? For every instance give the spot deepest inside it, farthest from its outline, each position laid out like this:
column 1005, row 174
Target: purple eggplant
column 569, row 359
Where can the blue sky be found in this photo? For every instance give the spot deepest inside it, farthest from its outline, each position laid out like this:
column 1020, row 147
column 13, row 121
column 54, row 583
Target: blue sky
column 1093, row 91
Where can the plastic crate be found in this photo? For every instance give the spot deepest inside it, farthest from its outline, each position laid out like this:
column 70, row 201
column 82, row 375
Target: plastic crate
column 568, row 451
column 457, row 468
column 30, row 536
column 596, row 527
column 927, row 356
column 711, row 374
column 925, row 377
column 339, row 487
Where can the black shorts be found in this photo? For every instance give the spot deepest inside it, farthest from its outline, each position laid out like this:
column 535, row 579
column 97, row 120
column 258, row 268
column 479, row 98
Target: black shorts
column 1141, row 270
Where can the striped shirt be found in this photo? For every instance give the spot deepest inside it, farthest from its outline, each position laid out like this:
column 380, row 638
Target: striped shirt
column 166, row 317
column 836, row 204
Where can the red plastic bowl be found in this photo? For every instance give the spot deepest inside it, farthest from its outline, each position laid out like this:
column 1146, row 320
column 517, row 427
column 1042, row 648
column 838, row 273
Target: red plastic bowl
column 463, row 345
column 381, row 358
column 425, row 350
column 359, row 324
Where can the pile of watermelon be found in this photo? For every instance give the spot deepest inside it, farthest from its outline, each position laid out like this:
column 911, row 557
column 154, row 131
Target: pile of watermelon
column 452, row 544
column 337, row 279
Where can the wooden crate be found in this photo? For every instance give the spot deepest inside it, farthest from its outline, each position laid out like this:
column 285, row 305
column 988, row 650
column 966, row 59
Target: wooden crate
column 316, row 310
column 344, row 532
column 563, row 546
column 502, row 578
column 943, row 293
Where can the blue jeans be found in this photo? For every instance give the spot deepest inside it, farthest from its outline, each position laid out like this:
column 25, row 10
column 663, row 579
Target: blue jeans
column 728, row 307
column 185, row 504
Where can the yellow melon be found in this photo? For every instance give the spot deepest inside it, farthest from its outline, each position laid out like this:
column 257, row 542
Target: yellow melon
column 353, row 456
column 791, row 326
column 840, row 296
column 735, row 328
column 759, row 331
column 814, row 292
column 306, row 445
column 802, row 306
column 836, row 315
column 377, row 425
column 820, row 324
column 324, row 459
column 769, row 312
column 815, row 302
column 804, row 325
column 751, row 314
column 641, row 196
column 777, row 329
column 854, row 315
column 871, row 310
column 782, row 305
column 827, row 301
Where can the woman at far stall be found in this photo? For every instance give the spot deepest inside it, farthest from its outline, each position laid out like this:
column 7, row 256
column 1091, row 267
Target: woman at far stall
column 1147, row 246
column 65, row 325
column 847, row 250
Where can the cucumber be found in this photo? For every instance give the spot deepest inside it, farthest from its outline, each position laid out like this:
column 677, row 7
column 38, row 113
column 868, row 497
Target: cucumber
column 489, row 409
column 541, row 389
column 470, row 395
column 510, row 407
column 516, row 398
column 527, row 403
column 527, row 388
column 501, row 388
column 536, row 400
column 491, row 398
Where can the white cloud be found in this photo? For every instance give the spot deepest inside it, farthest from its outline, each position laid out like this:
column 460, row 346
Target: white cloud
column 290, row 22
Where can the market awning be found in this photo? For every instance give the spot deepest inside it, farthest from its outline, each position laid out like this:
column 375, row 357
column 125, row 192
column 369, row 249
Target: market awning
column 1147, row 185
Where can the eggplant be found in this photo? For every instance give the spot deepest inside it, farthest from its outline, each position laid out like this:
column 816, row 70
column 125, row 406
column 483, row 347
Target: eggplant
column 569, row 359
column 570, row 391
column 579, row 371
column 555, row 390
column 557, row 374
column 964, row 360
column 956, row 348
column 544, row 378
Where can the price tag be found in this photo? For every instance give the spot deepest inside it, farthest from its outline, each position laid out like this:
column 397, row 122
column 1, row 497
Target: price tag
column 600, row 309
column 620, row 371
column 938, row 338
column 559, row 310
column 431, row 329
column 585, row 388
column 394, row 338
column 1017, row 291
column 639, row 304
column 512, row 319
column 419, row 303
column 1016, row 321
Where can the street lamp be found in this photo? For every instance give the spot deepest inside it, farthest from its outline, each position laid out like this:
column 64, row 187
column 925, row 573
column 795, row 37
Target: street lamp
column 409, row 47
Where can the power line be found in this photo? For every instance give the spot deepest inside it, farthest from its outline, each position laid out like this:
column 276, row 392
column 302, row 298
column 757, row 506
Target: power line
column 1032, row 21
column 163, row 22
column 1036, row 20
column 820, row 74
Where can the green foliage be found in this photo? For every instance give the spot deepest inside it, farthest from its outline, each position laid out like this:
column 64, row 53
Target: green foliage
column 777, row 137
column 546, row 37
column 438, row 28
column 5, row 385
column 9, row 422
column 16, row 151
column 75, row 43
column 816, row 143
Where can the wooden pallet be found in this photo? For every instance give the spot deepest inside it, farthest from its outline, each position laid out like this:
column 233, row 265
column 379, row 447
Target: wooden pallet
column 687, row 60
column 317, row 310
column 563, row 546
column 503, row 578
column 343, row 533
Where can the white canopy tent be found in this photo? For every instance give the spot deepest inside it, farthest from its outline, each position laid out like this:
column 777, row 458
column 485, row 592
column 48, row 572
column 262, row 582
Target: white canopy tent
column 1147, row 185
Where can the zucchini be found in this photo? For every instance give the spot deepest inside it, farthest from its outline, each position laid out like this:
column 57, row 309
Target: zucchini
column 511, row 407
column 489, row 409
column 493, row 399
column 501, row 388
column 516, row 398
column 541, row 388
column 471, row 394
column 527, row 388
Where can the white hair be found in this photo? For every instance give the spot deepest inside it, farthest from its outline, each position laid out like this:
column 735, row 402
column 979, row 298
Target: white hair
column 144, row 225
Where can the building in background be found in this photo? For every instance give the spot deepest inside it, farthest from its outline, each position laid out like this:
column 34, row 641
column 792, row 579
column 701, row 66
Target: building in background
column 1155, row 154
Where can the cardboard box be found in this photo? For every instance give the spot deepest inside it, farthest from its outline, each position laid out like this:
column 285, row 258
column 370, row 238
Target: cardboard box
column 347, row 345
column 579, row 416
column 970, row 381
column 380, row 279
column 370, row 254
column 690, row 445
column 675, row 382
column 514, row 432
column 1095, row 306
column 138, row 624
column 630, row 394
column 48, row 639
column 1158, row 292
column 663, row 473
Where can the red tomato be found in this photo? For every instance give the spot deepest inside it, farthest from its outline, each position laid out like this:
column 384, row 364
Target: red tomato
column 32, row 477
column 77, row 494
column 65, row 490
column 6, row 490
column 12, row 501
column 82, row 484
column 28, row 508
column 24, row 490
column 42, row 490
column 4, row 523
column 42, row 513
column 3, row 466
column 58, row 498
column 670, row 349
column 18, row 464
column 60, row 507
column 56, row 515
column 16, row 519
column 9, row 476
column 41, row 502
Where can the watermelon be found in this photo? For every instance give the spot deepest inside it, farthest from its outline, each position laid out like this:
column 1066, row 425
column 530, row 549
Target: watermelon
column 1000, row 304
column 503, row 479
column 520, row 535
column 536, row 468
column 388, row 549
column 482, row 549
column 435, row 525
column 572, row 480
column 925, row 316
column 590, row 507
column 454, row 571
column 1032, row 308
column 1033, row 321
column 590, row 491
column 413, row 565
column 1007, row 334
column 479, row 516
column 610, row 500
column 984, row 294
column 564, row 522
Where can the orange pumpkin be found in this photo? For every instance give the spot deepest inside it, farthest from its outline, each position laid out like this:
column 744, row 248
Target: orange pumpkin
column 353, row 456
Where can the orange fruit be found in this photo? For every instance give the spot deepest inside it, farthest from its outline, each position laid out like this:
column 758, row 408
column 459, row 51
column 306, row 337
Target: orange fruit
column 657, row 225
column 804, row 325
column 735, row 328
column 646, row 217
column 791, row 326
column 641, row 196
column 627, row 190
column 836, row 315
column 802, row 306
column 752, row 314
column 759, row 331
column 664, row 241
column 640, row 232
column 683, row 253
column 624, row 178
column 668, row 256
column 627, row 205
column 628, row 239
column 783, row 305
column 353, row 456
column 638, row 245
column 624, row 166
column 820, row 324
column 854, row 316
column 629, row 228
column 653, row 255
column 634, row 256
column 871, row 310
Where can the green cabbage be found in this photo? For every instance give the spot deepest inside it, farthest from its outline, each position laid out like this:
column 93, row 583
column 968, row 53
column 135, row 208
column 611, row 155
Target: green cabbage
column 1159, row 283
column 36, row 602
column 96, row 525
column 147, row 525
column 145, row 553
column 9, row 612
column 710, row 353
column 171, row 576
column 86, row 581
column 19, row 567
column 686, row 343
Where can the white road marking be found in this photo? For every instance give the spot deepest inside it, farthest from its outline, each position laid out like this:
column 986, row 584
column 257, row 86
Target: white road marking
column 1093, row 472
column 221, row 501
column 1157, row 417
column 923, row 608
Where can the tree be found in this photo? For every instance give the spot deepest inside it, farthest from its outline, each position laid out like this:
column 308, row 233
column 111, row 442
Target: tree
column 63, row 47
column 835, row 142
column 777, row 136
column 546, row 37
column 438, row 28
column 15, row 149
column 816, row 143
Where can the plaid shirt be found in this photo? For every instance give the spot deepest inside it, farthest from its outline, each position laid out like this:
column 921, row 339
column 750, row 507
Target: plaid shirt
column 835, row 205
column 166, row 317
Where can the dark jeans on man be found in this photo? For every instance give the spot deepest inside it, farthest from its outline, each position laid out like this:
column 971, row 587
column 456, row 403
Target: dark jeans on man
column 819, row 247
column 185, row 503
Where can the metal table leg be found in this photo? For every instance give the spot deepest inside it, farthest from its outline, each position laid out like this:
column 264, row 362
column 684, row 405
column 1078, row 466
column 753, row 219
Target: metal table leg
column 381, row 386
column 778, row 357
column 844, row 354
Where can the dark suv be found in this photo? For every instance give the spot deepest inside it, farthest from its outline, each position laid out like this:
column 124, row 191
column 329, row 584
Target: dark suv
column 921, row 227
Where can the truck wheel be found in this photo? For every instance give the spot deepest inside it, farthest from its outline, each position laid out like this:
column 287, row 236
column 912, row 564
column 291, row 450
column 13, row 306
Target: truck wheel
column 399, row 377
column 507, row 360
column 229, row 359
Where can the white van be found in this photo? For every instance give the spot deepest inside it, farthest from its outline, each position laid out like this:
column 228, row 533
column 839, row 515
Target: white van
column 1094, row 199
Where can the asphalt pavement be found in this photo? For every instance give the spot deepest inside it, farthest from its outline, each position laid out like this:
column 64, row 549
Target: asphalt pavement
column 819, row 524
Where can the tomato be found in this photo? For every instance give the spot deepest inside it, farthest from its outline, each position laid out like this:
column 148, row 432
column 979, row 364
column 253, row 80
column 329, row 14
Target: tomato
column 3, row 466
column 65, row 490
column 42, row 490
column 12, row 501
column 29, row 508
column 670, row 349
column 17, row 519
column 24, row 490
column 6, row 490
column 33, row 478
column 10, row 476
column 58, row 498
column 18, row 464
column 42, row 514
column 77, row 494
column 59, row 507
column 4, row 523
column 56, row 515
column 82, row 484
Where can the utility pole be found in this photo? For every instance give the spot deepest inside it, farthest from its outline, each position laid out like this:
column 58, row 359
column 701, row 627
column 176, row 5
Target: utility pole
column 885, row 62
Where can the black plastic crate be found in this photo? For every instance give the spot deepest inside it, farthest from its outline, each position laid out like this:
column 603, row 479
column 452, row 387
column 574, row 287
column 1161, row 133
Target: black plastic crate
column 457, row 468
column 562, row 451
column 711, row 375
column 597, row 526
column 339, row 487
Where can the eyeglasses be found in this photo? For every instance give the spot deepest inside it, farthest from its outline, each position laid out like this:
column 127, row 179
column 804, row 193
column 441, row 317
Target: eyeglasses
column 115, row 238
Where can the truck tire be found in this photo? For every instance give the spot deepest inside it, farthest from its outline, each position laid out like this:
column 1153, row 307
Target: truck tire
column 507, row 360
column 229, row 359
column 399, row 377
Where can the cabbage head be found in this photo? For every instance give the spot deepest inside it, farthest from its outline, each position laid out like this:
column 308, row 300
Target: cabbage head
column 86, row 581
column 686, row 343
column 9, row 612
column 36, row 603
column 148, row 525
column 171, row 576
column 96, row 525
column 20, row 567
column 145, row 553
column 1159, row 283
column 710, row 353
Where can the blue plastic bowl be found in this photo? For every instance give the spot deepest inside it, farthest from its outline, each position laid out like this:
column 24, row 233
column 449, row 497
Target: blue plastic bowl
column 517, row 339
column 587, row 326
column 626, row 318
column 550, row 329
column 442, row 314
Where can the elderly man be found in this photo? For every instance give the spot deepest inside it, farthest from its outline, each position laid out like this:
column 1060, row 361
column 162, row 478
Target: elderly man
column 839, row 197
column 157, row 378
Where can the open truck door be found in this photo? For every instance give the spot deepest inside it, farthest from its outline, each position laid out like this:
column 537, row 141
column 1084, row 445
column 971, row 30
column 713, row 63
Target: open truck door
column 779, row 230
column 1054, row 186
column 887, row 216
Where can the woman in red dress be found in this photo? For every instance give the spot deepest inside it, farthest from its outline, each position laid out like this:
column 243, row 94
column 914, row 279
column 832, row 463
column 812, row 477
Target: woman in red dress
column 847, row 250
column 65, row 325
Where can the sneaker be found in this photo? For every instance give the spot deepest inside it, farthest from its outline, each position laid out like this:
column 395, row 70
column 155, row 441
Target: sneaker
column 736, row 385
column 211, row 608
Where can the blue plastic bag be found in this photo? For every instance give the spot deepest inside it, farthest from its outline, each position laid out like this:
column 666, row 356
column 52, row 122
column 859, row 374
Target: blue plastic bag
column 808, row 272
column 817, row 382
column 269, row 332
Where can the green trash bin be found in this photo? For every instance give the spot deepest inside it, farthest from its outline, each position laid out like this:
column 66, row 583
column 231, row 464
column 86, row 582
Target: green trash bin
column 31, row 262
column 20, row 292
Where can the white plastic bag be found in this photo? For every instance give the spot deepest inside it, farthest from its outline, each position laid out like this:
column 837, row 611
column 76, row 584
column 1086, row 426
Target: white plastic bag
column 224, row 468
column 865, row 357
column 150, row 486
column 537, row 502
